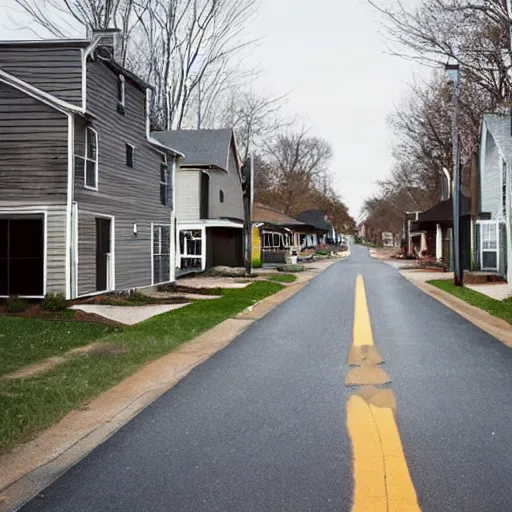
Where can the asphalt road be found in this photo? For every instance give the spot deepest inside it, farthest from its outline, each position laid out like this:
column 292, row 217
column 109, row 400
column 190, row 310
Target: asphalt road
column 261, row 426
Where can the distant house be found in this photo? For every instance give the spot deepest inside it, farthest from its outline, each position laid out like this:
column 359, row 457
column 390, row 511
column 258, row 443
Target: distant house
column 323, row 229
column 493, row 228
column 209, row 200
column 274, row 235
column 86, row 195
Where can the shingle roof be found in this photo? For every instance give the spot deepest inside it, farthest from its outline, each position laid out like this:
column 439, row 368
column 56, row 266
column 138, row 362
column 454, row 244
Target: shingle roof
column 200, row 147
column 499, row 126
column 315, row 218
column 443, row 211
column 268, row 215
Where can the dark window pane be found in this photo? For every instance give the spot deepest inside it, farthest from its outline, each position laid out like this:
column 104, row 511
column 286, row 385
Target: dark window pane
column 156, row 240
column 490, row 260
column 120, row 89
column 166, row 240
column 129, row 155
column 26, row 238
column 4, row 290
column 26, row 276
column 163, row 173
column 221, row 196
column 91, row 144
column 90, row 174
column 4, row 223
column 163, row 193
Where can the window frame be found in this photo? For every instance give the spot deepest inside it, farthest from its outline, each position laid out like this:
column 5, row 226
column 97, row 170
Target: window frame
column 164, row 184
column 489, row 224
column 158, row 227
column 126, row 146
column 121, row 94
column 88, row 159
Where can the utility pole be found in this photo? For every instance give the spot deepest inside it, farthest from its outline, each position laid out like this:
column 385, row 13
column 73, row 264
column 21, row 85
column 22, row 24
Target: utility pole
column 453, row 72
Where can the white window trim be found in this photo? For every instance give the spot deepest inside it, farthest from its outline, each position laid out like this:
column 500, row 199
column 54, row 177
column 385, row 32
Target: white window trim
column 87, row 159
column 160, row 226
column 29, row 211
column 133, row 156
column 122, row 81
column 503, row 184
column 481, row 248
column 192, row 227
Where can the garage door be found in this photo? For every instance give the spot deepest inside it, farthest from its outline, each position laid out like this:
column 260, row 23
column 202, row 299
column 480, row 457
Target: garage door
column 22, row 256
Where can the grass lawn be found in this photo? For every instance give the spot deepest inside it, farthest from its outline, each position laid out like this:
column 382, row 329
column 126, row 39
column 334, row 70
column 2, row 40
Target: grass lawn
column 501, row 309
column 26, row 340
column 30, row 405
column 282, row 278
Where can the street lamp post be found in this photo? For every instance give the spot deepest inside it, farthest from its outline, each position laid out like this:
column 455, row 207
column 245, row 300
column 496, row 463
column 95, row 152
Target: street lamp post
column 453, row 72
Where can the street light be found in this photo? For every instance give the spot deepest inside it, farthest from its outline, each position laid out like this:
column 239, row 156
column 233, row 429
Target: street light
column 453, row 75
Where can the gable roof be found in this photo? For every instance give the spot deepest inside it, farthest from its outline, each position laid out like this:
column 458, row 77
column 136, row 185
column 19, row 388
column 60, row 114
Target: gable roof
column 202, row 148
column 38, row 94
column 268, row 215
column 315, row 218
column 443, row 211
column 500, row 127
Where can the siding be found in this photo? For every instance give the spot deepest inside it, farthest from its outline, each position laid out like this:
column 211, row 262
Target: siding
column 86, row 252
column 54, row 69
column 33, row 148
column 229, row 183
column 188, row 195
column 490, row 180
column 131, row 195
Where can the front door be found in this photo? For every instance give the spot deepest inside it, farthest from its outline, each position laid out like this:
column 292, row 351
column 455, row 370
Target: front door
column 22, row 256
column 102, row 254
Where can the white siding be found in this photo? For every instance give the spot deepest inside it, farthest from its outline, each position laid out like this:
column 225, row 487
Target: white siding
column 187, row 195
column 491, row 179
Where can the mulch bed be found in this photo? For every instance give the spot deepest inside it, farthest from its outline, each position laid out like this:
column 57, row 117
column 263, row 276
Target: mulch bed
column 110, row 300
column 34, row 311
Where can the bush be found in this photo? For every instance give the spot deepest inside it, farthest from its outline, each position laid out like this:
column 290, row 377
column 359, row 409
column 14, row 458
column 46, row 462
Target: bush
column 54, row 302
column 15, row 305
column 323, row 252
column 137, row 297
column 257, row 264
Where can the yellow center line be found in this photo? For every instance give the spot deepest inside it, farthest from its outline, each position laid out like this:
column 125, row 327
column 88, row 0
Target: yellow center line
column 382, row 481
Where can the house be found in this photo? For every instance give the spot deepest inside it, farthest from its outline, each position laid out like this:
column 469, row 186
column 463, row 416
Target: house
column 86, row 195
column 493, row 227
column 210, row 203
column 323, row 229
column 431, row 236
column 274, row 235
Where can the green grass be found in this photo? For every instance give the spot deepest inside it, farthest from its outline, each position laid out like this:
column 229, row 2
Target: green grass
column 30, row 405
column 26, row 340
column 501, row 309
column 282, row 278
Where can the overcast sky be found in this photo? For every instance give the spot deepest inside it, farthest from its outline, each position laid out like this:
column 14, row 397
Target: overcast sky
column 329, row 55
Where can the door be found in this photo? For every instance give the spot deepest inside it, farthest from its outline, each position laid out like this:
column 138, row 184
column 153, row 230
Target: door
column 22, row 256
column 102, row 254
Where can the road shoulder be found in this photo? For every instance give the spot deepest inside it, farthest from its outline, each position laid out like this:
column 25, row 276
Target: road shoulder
column 494, row 326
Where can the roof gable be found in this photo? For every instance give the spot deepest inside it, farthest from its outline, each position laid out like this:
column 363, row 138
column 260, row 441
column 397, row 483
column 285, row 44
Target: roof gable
column 268, row 215
column 200, row 147
column 315, row 218
column 500, row 128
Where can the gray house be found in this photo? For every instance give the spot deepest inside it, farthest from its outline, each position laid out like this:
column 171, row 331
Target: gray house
column 209, row 205
column 493, row 229
column 86, row 194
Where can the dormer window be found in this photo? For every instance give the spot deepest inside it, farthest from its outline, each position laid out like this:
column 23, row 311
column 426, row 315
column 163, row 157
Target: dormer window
column 121, row 94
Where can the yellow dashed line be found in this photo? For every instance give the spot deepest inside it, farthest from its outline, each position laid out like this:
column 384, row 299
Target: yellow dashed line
column 381, row 477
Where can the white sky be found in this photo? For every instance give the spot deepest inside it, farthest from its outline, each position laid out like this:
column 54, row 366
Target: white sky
column 329, row 55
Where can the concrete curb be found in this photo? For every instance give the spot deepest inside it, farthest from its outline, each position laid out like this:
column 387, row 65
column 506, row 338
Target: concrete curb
column 34, row 465
column 492, row 325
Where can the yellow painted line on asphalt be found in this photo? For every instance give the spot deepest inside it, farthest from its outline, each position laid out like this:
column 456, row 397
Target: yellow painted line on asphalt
column 382, row 482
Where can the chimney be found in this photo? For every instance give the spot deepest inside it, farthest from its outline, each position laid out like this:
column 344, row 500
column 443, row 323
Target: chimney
column 109, row 40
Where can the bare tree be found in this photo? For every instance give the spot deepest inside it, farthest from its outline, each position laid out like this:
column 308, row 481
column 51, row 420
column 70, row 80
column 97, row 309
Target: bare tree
column 174, row 44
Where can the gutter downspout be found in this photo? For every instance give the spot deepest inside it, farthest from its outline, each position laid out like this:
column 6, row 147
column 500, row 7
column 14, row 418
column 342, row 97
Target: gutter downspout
column 70, row 257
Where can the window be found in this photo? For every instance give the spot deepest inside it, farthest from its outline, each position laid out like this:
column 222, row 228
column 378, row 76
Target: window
column 272, row 240
column 191, row 249
column 504, row 188
column 91, row 159
column 121, row 90
column 161, row 253
column 130, row 150
column 221, row 196
column 489, row 245
column 164, row 182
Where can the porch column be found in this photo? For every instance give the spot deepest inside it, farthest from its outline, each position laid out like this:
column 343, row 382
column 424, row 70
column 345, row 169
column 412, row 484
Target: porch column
column 439, row 242
column 203, row 248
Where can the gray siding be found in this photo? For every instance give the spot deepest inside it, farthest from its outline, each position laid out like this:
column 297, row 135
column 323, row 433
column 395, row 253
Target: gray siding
column 491, row 179
column 33, row 148
column 131, row 195
column 86, row 252
column 187, row 195
column 54, row 69
column 230, row 184
column 33, row 171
